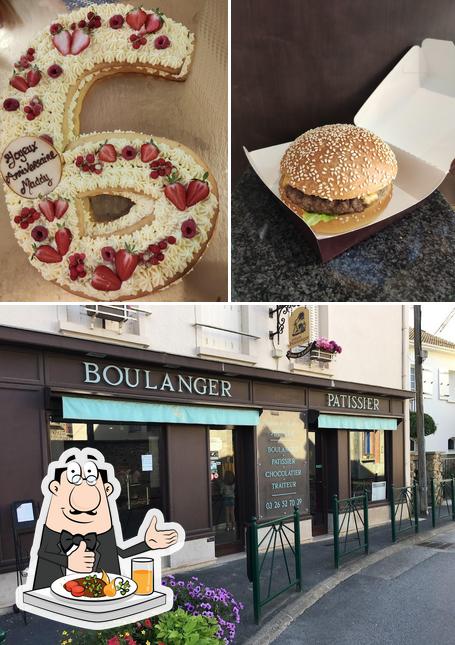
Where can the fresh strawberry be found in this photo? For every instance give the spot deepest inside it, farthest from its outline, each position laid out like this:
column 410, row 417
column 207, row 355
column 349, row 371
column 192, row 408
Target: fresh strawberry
column 125, row 263
column 33, row 76
column 176, row 192
column 79, row 41
column 154, row 21
column 63, row 238
column 107, row 153
column 136, row 18
column 47, row 207
column 104, row 279
column 60, row 207
column 62, row 42
column 149, row 152
column 19, row 83
column 197, row 190
column 47, row 254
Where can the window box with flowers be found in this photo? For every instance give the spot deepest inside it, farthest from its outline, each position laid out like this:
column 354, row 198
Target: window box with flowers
column 324, row 350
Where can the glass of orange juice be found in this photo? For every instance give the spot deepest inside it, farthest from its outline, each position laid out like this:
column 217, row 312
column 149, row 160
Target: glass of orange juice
column 142, row 574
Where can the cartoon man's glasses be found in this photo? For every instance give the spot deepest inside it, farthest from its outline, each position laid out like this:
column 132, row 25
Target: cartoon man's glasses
column 76, row 475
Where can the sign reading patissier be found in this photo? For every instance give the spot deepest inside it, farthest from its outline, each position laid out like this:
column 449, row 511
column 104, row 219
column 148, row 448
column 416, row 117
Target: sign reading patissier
column 352, row 401
column 299, row 327
column 31, row 167
column 281, row 464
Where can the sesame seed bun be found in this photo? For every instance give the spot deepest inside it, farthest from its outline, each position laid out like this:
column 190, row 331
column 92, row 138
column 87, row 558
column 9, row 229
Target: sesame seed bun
column 340, row 224
column 339, row 161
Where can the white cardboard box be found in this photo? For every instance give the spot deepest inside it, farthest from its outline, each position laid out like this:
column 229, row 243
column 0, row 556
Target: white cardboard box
column 413, row 111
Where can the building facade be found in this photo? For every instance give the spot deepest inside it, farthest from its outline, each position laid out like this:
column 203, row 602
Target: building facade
column 438, row 378
column 203, row 414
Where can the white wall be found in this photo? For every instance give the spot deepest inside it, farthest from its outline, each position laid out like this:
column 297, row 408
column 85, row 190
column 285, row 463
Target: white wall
column 442, row 410
column 370, row 335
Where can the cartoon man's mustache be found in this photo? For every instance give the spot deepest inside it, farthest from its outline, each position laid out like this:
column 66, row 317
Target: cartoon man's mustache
column 74, row 511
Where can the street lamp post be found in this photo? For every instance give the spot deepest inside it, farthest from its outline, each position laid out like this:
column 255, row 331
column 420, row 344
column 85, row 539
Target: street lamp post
column 419, row 410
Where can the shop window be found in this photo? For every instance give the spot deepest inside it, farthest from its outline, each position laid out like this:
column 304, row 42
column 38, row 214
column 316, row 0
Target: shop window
column 451, row 444
column 226, row 332
column 135, row 451
column 368, row 463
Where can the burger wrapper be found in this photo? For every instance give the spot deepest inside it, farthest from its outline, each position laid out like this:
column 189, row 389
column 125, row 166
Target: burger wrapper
column 412, row 110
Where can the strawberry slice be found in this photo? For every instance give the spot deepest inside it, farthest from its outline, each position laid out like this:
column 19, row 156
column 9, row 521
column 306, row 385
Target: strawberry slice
column 63, row 239
column 62, row 42
column 19, row 83
column 47, row 254
column 33, row 77
column 104, row 279
column 107, row 153
column 149, row 152
column 47, row 207
column 125, row 263
column 60, row 207
column 79, row 41
column 136, row 18
column 154, row 21
column 197, row 190
column 175, row 192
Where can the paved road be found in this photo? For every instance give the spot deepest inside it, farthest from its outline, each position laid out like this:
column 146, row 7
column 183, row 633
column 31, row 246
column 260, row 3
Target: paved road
column 406, row 599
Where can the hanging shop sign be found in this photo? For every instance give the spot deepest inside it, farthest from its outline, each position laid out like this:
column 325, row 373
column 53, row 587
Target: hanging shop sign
column 299, row 327
column 134, row 377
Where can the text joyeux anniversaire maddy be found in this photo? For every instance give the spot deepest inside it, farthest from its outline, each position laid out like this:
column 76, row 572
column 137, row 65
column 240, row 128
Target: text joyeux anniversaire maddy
column 135, row 377
column 19, row 160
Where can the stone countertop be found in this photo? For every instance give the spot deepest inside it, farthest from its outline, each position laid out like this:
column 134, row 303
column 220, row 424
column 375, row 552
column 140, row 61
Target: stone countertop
column 411, row 260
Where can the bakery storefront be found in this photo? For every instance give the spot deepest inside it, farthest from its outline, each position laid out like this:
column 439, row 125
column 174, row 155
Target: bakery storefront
column 210, row 444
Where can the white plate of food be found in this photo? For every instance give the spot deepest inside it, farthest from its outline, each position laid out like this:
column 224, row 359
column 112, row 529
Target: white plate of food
column 94, row 587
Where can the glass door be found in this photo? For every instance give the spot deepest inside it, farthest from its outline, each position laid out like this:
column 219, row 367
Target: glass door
column 224, row 490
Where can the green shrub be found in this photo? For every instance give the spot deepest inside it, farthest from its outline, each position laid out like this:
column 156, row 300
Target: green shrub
column 429, row 425
column 179, row 628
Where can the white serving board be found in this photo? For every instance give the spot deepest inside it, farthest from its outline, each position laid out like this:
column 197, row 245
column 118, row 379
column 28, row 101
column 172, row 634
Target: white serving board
column 413, row 110
column 114, row 614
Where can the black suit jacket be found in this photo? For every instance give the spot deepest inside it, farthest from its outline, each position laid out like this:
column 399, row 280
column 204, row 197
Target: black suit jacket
column 53, row 562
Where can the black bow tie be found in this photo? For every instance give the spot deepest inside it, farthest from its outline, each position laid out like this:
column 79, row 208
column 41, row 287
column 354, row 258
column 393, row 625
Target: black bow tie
column 67, row 540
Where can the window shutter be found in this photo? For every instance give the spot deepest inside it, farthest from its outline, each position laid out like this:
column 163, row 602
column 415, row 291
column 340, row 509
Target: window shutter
column 314, row 322
column 444, row 384
column 427, row 377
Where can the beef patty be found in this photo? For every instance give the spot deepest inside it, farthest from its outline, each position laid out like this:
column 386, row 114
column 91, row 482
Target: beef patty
column 314, row 204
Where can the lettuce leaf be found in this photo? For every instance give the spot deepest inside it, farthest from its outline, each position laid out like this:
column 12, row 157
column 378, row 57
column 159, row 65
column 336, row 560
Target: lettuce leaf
column 314, row 218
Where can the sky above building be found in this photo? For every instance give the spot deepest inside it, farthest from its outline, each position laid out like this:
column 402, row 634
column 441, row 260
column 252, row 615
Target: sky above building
column 433, row 315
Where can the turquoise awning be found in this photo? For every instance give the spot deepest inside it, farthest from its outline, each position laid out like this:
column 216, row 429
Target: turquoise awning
column 98, row 409
column 345, row 422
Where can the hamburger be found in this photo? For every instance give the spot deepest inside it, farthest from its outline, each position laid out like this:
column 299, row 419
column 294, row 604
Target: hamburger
column 337, row 177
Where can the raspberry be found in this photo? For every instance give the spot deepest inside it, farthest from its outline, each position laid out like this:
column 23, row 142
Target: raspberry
column 73, row 273
column 162, row 42
column 136, row 45
column 97, row 21
column 35, row 215
column 54, row 71
column 90, row 158
column 37, row 109
column 115, row 22
column 133, row 38
column 39, row 233
column 30, row 51
column 154, row 248
column 160, row 257
column 162, row 244
column 90, row 15
column 81, row 24
column 143, row 41
column 25, row 211
column 128, row 152
column 17, row 219
column 85, row 167
column 154, row 174
column 171, row 239
column 55, row 28
column 154, row 261
column 28, row 109
column 24, row 225
column 79, row 160
column 30, row 116
column 11, row 105
column 80, row 269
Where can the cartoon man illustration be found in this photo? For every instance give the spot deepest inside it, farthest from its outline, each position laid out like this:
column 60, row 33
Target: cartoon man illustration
column 78, row 530
column 78, row 534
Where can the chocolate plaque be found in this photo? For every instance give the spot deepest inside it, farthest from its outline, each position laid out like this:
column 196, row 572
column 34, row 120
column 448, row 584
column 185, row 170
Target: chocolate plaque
column 31, row 167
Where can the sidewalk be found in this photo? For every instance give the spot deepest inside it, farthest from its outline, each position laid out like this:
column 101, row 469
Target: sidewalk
column 317, row 569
